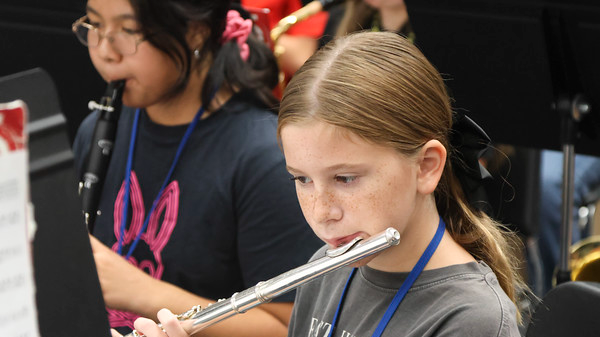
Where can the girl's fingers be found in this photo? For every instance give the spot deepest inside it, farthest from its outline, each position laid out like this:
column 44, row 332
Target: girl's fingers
column 171, row 324
column 148, row 327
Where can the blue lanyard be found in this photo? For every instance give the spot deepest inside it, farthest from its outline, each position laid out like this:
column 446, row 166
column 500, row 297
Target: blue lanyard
column 412, row 277
column 182, row 143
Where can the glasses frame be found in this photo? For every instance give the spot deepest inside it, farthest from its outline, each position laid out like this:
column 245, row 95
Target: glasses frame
column 81, row 23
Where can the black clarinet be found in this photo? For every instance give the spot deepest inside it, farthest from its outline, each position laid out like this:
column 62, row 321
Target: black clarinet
column 103, row 138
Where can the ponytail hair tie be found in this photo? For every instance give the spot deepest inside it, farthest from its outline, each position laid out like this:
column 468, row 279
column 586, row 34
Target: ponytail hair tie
column 237, row 29
column 469, row 142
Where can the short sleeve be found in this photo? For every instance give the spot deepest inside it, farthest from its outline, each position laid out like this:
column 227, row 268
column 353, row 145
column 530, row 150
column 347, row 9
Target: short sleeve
column 273, row 236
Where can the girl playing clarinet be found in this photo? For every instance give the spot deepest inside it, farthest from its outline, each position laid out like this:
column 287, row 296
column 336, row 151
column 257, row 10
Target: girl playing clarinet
column 196, row 203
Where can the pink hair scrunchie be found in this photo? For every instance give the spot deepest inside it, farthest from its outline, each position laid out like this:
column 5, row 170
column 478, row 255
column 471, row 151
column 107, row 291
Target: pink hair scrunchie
column 237, row 28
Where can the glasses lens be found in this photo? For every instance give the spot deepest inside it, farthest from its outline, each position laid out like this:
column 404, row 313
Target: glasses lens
column 81, row 33
column 125, row 43
column 89, row 37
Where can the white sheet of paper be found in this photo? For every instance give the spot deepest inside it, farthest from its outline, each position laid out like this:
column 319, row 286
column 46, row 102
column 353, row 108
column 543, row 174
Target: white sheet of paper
column 18, row 314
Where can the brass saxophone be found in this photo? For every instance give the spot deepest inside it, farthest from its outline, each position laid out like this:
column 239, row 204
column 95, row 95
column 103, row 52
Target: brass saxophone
column 310, row 9
column 197, row 318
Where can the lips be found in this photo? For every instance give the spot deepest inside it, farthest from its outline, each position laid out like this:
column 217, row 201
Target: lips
column 118, row 78
column 340, row 241
column 113, row 75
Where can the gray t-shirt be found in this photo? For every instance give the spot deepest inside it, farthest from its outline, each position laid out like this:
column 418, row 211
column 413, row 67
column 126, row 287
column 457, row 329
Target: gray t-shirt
column 461, row 300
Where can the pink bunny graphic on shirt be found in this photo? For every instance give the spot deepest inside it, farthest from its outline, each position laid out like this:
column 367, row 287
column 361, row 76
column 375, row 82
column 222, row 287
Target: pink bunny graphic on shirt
column 156, row 235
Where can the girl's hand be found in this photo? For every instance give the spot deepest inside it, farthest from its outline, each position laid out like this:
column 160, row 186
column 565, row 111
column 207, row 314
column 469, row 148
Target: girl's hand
column 114, row 333
column 148, row 328
column 169, row 322
column 123, row 285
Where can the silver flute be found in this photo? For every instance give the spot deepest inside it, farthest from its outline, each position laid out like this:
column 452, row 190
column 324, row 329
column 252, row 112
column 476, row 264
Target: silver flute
column 197, row 318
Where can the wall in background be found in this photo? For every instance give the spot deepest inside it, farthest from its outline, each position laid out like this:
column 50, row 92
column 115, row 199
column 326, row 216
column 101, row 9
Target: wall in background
column 37, row 33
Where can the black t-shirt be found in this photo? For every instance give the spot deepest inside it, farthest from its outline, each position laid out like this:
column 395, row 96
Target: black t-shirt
column 227, row 219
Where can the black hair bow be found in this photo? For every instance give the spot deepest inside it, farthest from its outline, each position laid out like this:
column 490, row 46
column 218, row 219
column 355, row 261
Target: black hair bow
column 469, row 142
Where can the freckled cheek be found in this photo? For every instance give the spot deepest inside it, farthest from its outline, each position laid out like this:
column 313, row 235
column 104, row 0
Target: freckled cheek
column 378, row 200
column 373, row 203
column 306, row 201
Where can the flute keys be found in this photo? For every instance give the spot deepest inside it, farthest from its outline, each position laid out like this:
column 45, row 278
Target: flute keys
column 190, row 313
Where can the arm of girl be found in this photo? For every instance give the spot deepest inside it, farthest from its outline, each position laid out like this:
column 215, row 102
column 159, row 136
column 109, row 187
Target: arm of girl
column 127, row 288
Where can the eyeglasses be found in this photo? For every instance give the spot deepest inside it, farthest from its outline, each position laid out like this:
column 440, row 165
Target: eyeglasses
column 123, row 41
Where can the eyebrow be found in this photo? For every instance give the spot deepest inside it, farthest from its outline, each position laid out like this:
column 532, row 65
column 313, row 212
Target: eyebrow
column 290, row 169
column 337, row 167
column 119, row 17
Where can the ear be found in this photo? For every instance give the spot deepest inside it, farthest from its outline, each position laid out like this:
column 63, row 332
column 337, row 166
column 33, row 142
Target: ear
column 196, row 35
column 431, row 162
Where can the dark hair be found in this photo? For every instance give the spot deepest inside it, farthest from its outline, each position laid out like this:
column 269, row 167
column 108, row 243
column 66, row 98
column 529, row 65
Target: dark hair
column 165, row 24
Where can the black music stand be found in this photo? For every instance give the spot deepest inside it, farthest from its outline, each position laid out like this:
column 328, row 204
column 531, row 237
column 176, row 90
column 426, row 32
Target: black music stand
column 526, row 70
column 68, row 296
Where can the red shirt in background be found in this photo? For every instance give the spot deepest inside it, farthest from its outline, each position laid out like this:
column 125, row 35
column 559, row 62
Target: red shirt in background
column 311, row 27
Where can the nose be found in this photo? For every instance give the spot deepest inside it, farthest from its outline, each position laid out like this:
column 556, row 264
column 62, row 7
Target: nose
column 326, row 208
column 106, row 50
